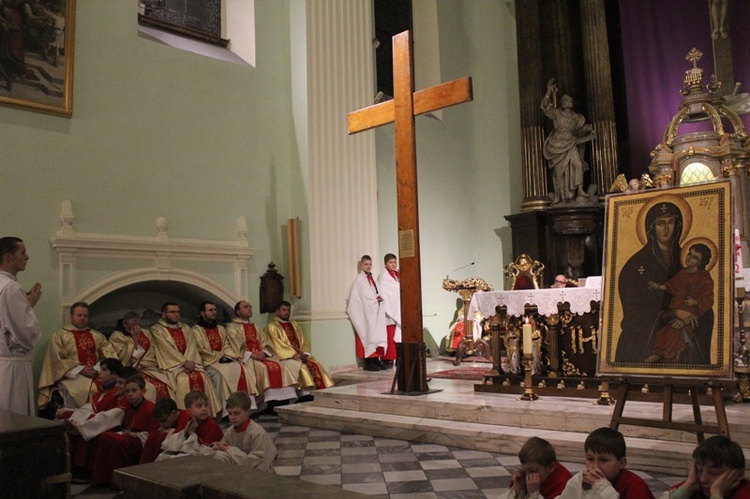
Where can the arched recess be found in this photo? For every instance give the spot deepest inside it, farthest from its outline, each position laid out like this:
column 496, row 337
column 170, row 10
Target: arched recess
column 145, row 290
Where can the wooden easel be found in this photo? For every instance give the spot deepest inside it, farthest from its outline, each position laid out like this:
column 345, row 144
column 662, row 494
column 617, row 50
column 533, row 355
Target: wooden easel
column 666, row 422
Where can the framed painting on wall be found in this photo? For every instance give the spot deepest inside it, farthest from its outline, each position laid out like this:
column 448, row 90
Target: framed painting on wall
column 667, row 306
column 36, row 63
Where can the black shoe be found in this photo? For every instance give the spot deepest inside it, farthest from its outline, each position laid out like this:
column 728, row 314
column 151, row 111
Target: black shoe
column 371, row 365
column 388, row 364
column 381, row 364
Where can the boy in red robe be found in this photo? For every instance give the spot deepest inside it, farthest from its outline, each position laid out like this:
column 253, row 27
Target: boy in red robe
column 540, row 475
column 105, row 411
column 718, row 470
column 117, row 449
column 605, row 475
column 197, row 435
column 168, row 417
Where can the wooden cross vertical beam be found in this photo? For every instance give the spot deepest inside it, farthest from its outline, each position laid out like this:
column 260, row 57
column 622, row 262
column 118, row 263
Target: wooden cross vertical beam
column 406, row 104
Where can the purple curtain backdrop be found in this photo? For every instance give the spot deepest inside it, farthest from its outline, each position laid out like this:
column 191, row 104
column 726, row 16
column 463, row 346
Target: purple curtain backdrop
column 656, row 37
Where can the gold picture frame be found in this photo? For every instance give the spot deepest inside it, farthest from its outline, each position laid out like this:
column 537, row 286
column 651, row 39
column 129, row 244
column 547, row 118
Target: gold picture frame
column 36, row 72
column 667, row 306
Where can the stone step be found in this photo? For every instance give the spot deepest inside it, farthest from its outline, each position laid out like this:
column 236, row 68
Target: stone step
column 643, row 453
column 560, row 414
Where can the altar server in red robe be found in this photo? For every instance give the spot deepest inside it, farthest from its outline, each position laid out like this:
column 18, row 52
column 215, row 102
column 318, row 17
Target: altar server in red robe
column 606, row 475
column 197, row 436
column 168, row 417
column 389, row 285
column 718, row 470
column 366, row 309
column 540, row 475
column 117, row 449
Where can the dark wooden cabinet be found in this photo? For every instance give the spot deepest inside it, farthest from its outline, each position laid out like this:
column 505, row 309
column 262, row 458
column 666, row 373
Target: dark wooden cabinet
column 33, row 457
column 566, row 239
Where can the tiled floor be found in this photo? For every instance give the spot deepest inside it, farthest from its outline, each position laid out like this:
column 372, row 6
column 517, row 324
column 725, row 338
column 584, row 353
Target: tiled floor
column 386, row 468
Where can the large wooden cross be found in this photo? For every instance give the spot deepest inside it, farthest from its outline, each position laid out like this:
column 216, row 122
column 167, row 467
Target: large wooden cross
column 407, row 104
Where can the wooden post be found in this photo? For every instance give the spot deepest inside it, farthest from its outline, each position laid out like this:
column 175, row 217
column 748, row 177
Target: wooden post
column 406, row 104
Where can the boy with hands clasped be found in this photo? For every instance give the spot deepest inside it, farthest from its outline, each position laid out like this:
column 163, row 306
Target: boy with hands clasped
column 540, row 474
column 605, row 475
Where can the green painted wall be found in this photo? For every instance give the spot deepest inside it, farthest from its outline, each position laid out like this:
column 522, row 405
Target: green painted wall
column 155, row 131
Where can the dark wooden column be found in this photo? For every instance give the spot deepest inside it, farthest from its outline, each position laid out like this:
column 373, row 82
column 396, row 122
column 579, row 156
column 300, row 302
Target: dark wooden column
column 601, row 105
column 535, row 190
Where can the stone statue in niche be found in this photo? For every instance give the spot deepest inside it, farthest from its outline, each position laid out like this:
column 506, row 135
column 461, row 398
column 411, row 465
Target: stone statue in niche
column 564, row 149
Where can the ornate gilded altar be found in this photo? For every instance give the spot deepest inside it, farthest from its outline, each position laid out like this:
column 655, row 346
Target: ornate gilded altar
column 565, row 326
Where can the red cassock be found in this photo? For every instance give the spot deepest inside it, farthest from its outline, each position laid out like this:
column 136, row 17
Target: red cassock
column 555, row 482
column 631, row 486
column 117, row 450
column 152, row 446
column 82, row 452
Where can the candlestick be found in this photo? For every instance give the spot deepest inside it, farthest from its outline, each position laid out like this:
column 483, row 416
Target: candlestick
column 528, row 384
column 527, row 340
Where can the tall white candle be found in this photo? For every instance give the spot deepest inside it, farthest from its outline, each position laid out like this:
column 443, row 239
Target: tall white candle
column 527, row 343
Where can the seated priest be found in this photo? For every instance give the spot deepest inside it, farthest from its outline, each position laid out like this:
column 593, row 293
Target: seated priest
column 274, row 381
column 71, row 364
column 178, row 357
column 135, row 348
column 290, row 346
column 223, row 366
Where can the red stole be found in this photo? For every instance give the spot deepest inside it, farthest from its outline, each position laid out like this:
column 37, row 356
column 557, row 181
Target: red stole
column 291, row 335
column 178, row 336
column 86, row 347
column 252, row 343
column 144, row 342
column 195, row 378
column 251, row 338
column 395, row 274
column 214, row 338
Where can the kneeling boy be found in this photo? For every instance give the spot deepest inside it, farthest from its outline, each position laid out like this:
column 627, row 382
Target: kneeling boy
column 718, row 470
column 605, row 475
column 245, row 442
column 540, row 474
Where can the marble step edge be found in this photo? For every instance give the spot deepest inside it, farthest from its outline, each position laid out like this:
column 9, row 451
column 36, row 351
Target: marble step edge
column 581, row 416
column 643, row 454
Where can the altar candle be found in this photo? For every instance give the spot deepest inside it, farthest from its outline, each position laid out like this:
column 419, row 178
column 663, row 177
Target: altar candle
column 527, row 348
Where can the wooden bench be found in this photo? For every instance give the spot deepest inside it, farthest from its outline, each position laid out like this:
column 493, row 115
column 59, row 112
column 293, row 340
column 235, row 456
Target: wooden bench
column 203, row 477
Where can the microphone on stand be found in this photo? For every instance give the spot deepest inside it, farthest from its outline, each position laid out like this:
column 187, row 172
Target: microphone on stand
column 463, row 267
column 447, row 276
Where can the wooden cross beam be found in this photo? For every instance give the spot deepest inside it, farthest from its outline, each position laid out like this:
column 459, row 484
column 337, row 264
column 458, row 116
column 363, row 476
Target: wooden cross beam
column 407, row 104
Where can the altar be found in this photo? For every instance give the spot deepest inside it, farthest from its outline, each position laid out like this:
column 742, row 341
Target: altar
column 567, row 321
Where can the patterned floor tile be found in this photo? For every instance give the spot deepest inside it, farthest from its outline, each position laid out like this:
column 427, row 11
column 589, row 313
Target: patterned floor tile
column 383, row 467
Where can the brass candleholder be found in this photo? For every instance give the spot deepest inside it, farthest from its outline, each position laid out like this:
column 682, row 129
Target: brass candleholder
column 604, row 398
column 528, row 384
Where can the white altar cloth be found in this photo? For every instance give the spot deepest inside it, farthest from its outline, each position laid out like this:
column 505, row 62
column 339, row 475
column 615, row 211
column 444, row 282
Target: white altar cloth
column 546, row 300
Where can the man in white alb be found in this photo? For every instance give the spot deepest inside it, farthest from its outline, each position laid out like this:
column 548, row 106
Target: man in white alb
column 20, row 330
